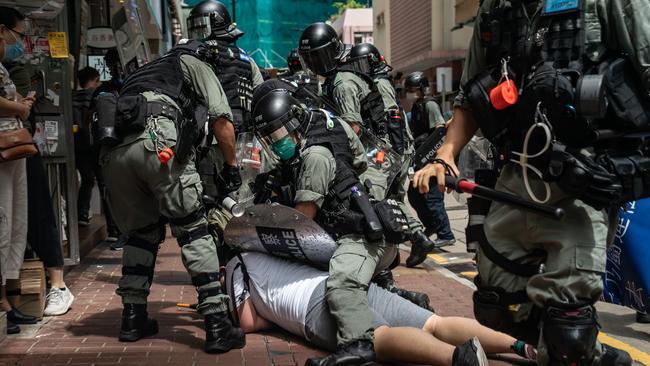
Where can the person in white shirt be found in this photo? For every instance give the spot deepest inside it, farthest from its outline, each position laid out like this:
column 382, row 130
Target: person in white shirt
column 267, row 290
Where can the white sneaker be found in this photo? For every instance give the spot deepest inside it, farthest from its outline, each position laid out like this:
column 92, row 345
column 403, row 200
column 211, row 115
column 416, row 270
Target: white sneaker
column 58, row 302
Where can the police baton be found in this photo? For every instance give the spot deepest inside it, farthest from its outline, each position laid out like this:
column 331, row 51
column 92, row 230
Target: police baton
column 463, row 185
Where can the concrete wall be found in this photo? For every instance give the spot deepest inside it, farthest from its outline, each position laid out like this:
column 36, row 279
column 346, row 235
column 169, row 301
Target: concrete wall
column 381, row 30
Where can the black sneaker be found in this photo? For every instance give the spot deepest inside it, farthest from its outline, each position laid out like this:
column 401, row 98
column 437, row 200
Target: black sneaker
column 360, row 353
column 642, row 318
column 470, row 353
column 120, row 242
column 83, row 220
column 440, row 243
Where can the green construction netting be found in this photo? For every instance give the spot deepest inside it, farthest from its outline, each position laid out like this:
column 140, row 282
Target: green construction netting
column 273, row 27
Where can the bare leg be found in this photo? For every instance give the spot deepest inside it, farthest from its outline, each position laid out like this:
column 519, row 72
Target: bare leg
column 4, row 302
column 411, row 345
column 456, row 331
column 56, row 276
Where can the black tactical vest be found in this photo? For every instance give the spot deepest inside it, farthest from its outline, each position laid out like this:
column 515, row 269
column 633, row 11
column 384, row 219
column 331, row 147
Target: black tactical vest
column 232, row 65
column 335, row 215
column 420, row 118
column 150, row 77
column 372, row 105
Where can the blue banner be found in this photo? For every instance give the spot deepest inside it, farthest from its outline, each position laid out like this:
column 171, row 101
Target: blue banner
column 627, row 279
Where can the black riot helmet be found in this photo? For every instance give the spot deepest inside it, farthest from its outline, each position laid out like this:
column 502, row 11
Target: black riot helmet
column 320, row 49
column 293, row 61
column 275, row 117
column 211, row 19
column 416, row 80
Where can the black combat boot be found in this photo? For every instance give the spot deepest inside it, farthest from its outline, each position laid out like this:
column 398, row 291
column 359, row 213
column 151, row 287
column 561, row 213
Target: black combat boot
column 421, row 245
column 221, row 335
column 469, row 353
column 360, row 353
column 136, row 323
column 384, row 279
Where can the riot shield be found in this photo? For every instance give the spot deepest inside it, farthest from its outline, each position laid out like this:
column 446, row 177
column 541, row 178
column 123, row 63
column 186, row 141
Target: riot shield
column 280, row 231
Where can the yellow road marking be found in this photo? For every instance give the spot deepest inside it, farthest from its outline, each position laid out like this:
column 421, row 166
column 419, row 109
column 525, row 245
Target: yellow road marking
column 438, row 258
column 635, row 353
column 469, row 274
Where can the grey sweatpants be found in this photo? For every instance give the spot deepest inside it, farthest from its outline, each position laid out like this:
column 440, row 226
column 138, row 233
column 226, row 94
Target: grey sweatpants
column 13, row 218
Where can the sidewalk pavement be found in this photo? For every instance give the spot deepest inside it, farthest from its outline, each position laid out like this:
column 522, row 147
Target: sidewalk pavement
column 87, row 334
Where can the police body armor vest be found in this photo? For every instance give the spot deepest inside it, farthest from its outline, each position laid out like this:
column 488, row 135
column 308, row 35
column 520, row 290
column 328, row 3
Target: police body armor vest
column 148, row 77
column 232, row 66
column 372, row 105
column 420, row 118
column 335, row 215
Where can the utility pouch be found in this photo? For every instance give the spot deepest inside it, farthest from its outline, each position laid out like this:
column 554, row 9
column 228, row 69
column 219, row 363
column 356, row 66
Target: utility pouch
column 131, row 114
column 104, row 119
column 393, row 220
column 396, row 129
column 492, row 122
column 628, row 99
column 189, row 132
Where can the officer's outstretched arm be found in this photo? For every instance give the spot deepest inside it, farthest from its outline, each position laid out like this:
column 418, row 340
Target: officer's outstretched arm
column 224, row 131
column 461, row 129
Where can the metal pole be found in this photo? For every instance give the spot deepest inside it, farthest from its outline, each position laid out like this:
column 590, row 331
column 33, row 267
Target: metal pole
column 444, row 94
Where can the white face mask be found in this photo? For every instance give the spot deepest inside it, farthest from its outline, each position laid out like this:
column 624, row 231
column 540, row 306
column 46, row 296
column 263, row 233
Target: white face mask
column 411, row 97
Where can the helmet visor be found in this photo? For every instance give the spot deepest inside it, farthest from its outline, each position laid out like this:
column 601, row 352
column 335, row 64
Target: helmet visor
column 198, row 27
column 277, row 130
column 321, row 60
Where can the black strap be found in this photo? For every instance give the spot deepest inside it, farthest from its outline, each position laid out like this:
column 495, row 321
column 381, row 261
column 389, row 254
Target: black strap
column 519, row 269
column 192, row 235
column 142, row 244
column 159, row 109
column 205, row 293
column 137, row 270
column 497, row 295
column 202, row 279
column 189, row 219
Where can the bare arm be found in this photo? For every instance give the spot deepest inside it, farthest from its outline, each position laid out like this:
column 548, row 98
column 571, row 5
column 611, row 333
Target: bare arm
column 461, row 129
column 308, row 209
column 249, row 320
column 9, row 108
column 224, row 131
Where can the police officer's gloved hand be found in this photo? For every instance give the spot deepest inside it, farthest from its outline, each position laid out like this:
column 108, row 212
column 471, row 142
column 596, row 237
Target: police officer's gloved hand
column 229, row 179
column 582, row 177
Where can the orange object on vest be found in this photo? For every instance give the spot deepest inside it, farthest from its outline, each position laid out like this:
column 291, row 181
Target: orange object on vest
column 379, row 158
column 165, row 155
column 504, row 95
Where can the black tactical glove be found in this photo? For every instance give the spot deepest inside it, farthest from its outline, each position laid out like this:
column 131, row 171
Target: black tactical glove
column 229, row 179
column 582, row 177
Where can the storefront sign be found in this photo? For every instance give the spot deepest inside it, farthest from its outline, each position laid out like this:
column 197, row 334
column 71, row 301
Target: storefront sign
column 98, row 62
column 58, row 43
column 100, row 37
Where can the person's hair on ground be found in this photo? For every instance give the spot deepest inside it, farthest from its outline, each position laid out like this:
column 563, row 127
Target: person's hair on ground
column 9, row 17
column 86, row 75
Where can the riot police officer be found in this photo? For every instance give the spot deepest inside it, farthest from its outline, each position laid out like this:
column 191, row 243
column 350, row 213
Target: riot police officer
column 538, row 275
column 320, row 159
column 151, row 179
column 306, row 85
column 401, row 139
column 210, row 22
column 360, row 102
column 425, row 117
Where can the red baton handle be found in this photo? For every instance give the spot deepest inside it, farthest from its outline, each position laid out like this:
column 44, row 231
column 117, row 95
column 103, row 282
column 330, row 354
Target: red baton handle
column 462, row 185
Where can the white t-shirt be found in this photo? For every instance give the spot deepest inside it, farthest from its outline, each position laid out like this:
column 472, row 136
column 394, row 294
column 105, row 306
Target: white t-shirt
column 285, row 299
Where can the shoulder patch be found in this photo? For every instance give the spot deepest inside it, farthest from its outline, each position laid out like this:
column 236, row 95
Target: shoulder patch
column 244, row 56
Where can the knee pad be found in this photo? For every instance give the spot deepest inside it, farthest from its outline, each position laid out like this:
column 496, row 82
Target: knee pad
column 570, row 333
column 492, row 309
